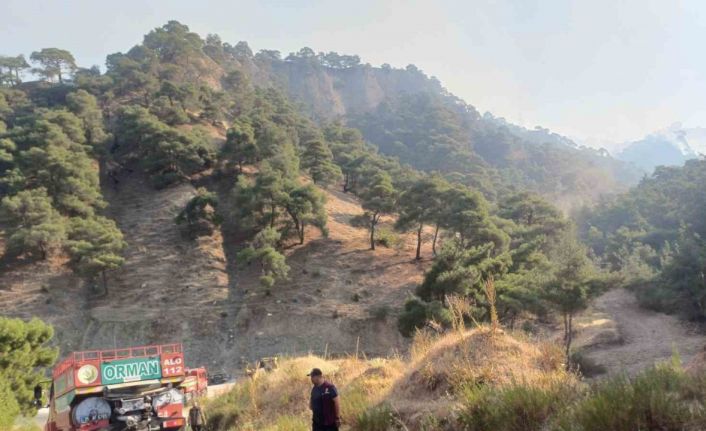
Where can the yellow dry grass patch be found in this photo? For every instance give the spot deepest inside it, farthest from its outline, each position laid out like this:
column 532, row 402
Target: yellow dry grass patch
column 441, row 367
column 279, row 400
column 424, row 385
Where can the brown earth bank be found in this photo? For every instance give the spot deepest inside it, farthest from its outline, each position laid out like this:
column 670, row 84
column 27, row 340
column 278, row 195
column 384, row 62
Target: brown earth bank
column 340, row 296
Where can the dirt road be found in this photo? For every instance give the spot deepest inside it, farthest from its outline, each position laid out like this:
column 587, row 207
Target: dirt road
column 620, row 335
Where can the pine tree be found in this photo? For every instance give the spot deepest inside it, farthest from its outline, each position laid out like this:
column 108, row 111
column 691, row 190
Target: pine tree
column 240, row 146
column 263, row 249
column 85, row 107
column 24, row 357
column 200, row 213
column 51, row 154
column 572, row 285
column 9, row 407
column 33, row 225
column 305, row 205
column 465, row 214
column 95, row 245
column 55, row 62
column 379, row 198
column 317, row 159
column 261, row 201
column 167, row 154
column 420, row 205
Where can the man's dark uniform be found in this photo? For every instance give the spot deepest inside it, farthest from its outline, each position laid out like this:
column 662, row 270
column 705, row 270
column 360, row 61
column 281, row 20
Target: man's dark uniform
column 322, row 407
column 196, row 419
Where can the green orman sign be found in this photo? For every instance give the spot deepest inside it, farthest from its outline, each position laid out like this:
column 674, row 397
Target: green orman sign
column 130, row 370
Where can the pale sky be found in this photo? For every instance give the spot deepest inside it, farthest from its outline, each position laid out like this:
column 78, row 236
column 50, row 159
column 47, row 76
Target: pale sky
column 595, row 70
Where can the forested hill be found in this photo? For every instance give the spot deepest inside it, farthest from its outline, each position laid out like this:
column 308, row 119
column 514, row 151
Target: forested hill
column 155, row 186
column 653, row 237
column 409, row 115
column 403, row 112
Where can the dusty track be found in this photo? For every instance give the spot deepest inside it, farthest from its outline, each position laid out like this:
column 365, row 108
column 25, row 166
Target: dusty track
column 620, row 335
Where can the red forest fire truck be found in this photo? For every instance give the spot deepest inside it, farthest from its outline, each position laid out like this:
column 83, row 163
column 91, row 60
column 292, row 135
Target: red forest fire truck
column 138, row 388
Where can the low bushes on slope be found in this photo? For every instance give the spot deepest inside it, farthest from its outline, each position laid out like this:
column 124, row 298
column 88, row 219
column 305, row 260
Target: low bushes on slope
column 663, row 398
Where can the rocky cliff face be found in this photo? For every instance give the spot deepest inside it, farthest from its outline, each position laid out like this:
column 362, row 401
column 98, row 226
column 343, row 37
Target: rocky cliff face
column 332, row 93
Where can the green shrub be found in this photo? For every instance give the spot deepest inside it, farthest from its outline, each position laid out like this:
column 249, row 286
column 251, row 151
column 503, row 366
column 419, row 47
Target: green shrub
column 519, row 407
column 380, row 312
column 417, row 313
column 654, row 296
column 9, row 409
column 661, row 398
column 386, row 237
column 161, row 181
column 376, row 418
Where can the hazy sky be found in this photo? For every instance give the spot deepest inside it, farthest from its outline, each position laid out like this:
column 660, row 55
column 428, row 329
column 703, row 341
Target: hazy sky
column 591, row 69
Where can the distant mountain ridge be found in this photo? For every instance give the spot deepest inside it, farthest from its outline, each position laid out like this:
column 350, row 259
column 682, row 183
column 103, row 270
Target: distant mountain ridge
column 409, row 115
column 668, row 147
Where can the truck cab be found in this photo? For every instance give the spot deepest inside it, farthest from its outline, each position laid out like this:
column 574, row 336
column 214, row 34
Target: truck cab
column 136, row 389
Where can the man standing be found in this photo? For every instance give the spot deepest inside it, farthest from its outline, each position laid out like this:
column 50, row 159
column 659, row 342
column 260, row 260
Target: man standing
column 38, row 392
column 324, row 404
column 197, row 420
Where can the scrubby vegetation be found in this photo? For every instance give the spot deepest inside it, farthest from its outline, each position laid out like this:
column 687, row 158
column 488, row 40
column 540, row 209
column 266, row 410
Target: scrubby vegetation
column 382, row 394
column 470, row 380
column 652, row 238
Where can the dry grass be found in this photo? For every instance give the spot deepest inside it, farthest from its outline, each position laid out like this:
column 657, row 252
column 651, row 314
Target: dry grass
column 407, row 393
column 278, row 400
column 439, row 368
column 336, row 286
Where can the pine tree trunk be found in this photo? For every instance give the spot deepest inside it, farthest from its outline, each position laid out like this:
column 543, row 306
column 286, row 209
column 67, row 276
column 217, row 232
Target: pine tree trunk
column 298, row 226
column 105, row 282
column 569, row 338
column 419, row 241
column 433, row 244
column 273, row 209
column 373, row 222
column 566, row 327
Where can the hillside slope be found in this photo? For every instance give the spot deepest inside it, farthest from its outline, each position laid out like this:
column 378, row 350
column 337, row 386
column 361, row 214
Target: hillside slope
column 409, row 115
column 340, row 294
column 175, row 289
column 168, row 290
